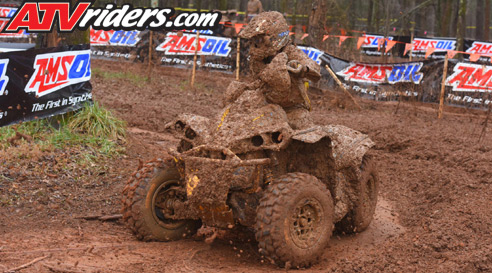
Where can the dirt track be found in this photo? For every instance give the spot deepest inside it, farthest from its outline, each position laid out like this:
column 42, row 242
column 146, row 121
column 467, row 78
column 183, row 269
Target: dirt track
column 434, row 212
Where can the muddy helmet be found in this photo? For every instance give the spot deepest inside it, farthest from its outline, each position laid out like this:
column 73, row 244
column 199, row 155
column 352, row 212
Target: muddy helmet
column 268, row 33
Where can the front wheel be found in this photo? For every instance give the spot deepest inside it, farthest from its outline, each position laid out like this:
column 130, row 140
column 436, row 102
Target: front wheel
column 294, row 220
column 367, row 189
column 147, row 200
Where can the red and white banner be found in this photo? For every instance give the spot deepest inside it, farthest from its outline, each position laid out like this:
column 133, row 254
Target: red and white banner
column 185, row 44
column 114, row 38
column 469, row 77
column 20, row 34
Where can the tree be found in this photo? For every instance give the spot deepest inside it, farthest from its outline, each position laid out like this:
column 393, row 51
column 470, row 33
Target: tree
column 369, row 16
column 486, row 22
column 54, row 39
column 479, row 29
column 445, row 18
column 317, row 20
column 461, row 26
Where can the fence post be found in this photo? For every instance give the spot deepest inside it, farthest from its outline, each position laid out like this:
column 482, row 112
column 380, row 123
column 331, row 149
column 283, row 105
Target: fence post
column 343, row 87
column 195, row 59
column 443, row 86
column 238, row 58
column 149, row 72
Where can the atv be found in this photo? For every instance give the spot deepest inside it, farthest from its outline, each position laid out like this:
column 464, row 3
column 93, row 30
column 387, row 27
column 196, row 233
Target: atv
column 249, row 168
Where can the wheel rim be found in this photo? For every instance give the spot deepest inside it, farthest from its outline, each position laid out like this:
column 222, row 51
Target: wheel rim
column 162, row 201
column 305, row 226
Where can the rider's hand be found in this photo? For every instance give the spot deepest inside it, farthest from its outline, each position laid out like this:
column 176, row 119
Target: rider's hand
column 295, row 67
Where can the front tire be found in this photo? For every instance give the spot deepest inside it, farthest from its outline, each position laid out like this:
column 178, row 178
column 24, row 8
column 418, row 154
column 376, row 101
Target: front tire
column 294, row 220
column 362, row 214
column 148, row 188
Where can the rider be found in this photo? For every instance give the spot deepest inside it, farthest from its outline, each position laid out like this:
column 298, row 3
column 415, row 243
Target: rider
column 281, row 69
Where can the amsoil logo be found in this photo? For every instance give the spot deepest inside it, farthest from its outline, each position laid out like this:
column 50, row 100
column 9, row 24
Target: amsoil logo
column 3, row 23
column 420, row 44
column 397, row 73
column 54, row 71
column 7, row 12
column 371, row 41
column 185, row 45
column 480, row 48
column 38, row 17
column 471, row 78
column 4, row 80
column 114, row 38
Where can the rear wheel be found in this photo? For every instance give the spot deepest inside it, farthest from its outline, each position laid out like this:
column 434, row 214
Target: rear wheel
column 294, row 220
column 147, row 204
column 361, row 215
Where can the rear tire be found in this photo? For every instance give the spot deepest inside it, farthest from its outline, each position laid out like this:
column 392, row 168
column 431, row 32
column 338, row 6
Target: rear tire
column 361, row 215
column 154, row 181
column 294, row 220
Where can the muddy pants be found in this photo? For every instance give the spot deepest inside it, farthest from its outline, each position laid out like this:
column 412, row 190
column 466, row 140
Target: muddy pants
column 299, row 118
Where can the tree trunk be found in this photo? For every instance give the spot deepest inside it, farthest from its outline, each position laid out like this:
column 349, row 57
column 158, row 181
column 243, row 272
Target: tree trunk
column 317, row 20
column 446, row 18
column 54, row 39
column 377, row 16
column 284, row 6
column 223, row 5
column 386, row 29
column 294, row 14
column 479, row 23
column 461, row 26
column 486, row 22
column 369, row 16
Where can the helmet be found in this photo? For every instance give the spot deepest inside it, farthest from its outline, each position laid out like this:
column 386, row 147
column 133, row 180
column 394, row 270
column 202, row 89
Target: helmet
column 268, row 32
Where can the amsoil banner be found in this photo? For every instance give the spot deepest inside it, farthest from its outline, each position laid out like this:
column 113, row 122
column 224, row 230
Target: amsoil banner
column 5, row 14
column 384, row 81
column 467, row 84
column 39, row 83
column 114, row 38
column 215, row 52
column 471, row 84
column 440, row 47
column 19, row 34
column 373, row 43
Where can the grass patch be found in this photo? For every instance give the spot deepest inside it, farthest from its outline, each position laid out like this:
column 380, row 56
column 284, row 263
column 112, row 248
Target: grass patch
column 93, row 129
column 134, row 78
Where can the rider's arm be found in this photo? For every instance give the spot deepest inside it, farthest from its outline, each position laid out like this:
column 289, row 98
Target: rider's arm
column 275, row 73
column 310, row 69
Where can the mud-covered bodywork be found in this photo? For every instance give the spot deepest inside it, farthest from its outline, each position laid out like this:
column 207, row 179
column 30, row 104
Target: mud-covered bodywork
column 226, row 162
column 348, row 145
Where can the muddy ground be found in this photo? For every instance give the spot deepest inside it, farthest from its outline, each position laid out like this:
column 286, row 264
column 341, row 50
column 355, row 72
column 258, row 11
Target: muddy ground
column 433, row 215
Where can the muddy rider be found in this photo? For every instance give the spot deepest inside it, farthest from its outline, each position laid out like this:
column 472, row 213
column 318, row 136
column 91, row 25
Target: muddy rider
column 254, row 8
column 281, row 69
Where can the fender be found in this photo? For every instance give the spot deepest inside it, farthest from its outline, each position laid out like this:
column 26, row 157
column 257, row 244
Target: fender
column 348, row 149
column 349, row 146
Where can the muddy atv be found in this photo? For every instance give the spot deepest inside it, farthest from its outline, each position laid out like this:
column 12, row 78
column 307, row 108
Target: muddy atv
column 250, row 168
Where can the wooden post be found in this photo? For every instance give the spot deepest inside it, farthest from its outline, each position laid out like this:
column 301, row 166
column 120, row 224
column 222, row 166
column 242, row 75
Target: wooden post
column 443, row 87
column 149, row 73
column 343, row 87
column 411, row 42
column 193, row 73
column 238, row 58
